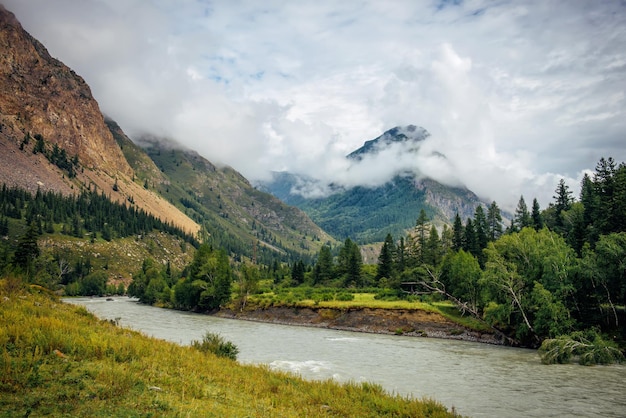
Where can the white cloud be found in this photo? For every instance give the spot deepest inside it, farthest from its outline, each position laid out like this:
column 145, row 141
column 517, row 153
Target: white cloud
column 515, row 94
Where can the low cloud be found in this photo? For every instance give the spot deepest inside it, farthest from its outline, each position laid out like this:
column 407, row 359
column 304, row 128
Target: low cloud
column 515, row 94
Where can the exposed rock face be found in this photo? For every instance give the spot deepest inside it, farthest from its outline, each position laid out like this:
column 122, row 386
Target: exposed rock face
column 40, row 95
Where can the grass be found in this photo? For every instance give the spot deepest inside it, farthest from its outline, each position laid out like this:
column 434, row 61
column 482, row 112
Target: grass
column 368, row 300
column 58, row 359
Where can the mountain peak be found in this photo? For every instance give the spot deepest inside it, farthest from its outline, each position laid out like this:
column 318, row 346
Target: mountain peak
column 399, row 134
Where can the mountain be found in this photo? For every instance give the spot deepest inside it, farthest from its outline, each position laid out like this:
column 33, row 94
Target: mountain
column 411, row 134
column 53, row 137
column 368, row 214
column 233, row 214
column 52, row 132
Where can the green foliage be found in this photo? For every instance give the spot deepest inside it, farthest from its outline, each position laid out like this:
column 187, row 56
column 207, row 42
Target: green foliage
column 59, row 360
column 215, row 343
column 93, row 284
column 587, row 346
column 515, row 264
column 208, row 281
column 460, row 274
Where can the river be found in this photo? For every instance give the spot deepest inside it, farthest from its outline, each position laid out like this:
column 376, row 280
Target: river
column 476, row 379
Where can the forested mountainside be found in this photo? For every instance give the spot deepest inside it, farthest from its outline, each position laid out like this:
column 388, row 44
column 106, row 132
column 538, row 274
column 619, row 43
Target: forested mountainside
column 368, row 214
column 52, row 133
column 233, row 214
column 54, row 138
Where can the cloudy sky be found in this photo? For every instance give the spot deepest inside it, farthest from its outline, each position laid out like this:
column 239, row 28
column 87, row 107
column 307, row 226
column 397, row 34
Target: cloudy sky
column 516, row 94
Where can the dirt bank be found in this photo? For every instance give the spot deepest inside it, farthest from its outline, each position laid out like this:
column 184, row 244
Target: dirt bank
column 380, row 321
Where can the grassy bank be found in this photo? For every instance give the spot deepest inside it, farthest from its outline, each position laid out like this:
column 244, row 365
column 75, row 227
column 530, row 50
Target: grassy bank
column 59, row 360
column 364, row 300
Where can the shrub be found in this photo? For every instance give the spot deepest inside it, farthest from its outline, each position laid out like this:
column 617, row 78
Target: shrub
column 214, row 343
column 588, row 346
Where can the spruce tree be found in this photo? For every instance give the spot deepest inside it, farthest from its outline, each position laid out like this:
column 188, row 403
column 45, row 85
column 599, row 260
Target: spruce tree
column 537, row 218
column 323, row 270
column 457, row 233
column 494, row 221
column 522, row 217
column 481, row 227
column 385, row 268
column 27, row 249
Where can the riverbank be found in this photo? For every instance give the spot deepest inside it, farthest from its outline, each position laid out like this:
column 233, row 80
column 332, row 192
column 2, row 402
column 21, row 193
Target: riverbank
column 60, row 360
column 409, row 322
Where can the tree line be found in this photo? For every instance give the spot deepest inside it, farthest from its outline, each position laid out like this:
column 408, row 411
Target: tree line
column 546, row 274
column 89, row 215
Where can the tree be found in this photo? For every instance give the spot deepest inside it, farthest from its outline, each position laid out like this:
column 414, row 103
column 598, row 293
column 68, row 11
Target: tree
column 27, row 249
column 494, row 221
column 522, row 217
column 516, row 263
column 563, row 202
column 323, row 270
column 457, row 233
column 248, row 282
column 208, row 281
column 470, row 244
column 421, row 231
column 386, row 268
column 433, row 252
column 604, row 183
column 94, row 284
column 537, row 219
column 297, row 272
column 460, row 273
column 481, row 231
column 349, row 263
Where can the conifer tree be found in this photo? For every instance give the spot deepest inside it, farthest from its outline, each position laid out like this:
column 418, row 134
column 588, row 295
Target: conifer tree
column 481, row 227
column 494, row 221
column 323, row 270
column 537, row 218
column 27, row 248
column 457, row 233
column 385, row 268
column 522, row 217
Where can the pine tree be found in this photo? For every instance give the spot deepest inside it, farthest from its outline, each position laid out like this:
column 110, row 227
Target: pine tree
column 470, row 244
column 27, row 248
column 537, row 218
column 481, row 228
column 297, row 272
column 494, row 221
column 323, row 270
column 604, row 189
column 421, row 230
column 522, row 217
column 563, row 202
column 385, row 268
column 433, row 252
column 457, row 233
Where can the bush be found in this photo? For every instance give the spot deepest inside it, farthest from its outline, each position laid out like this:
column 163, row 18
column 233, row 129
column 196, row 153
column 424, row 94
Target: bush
column 587, row 346
column 214, row 343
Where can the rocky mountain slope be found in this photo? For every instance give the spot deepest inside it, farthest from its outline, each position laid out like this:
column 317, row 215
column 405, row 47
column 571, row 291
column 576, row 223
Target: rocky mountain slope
column 233, row 214
column 52, row 133
column 368, row 214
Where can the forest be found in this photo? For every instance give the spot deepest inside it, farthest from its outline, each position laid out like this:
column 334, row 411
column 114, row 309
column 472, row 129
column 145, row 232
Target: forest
column 547, row 276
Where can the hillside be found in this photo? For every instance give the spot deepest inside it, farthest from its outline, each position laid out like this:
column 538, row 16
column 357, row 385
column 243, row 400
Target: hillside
column 233, row 214
column 59, row 360
column 53, row 137
column 368, row 214
column 52, row 133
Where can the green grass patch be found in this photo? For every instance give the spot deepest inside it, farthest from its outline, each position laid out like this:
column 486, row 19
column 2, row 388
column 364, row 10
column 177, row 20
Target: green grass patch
column 331, row 298
column 59, row 360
